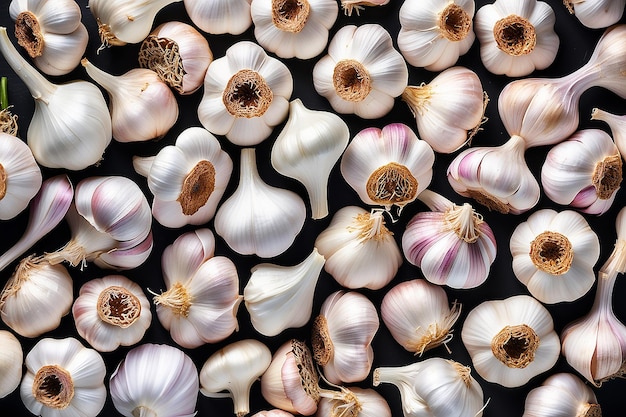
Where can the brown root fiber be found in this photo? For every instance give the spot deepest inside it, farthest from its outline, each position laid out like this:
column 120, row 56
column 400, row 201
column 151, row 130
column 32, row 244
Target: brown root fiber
column 290, row 15
column 197, row 187
column 118, row 306
column 454, row 23
column 607, row 176
column 162, row 56
column 351, row 80
column 53, row 387
column 247, row 94
column 392, row 184
column 552, row 253
column 515, row 35
column 28, row 34
column 515, row 346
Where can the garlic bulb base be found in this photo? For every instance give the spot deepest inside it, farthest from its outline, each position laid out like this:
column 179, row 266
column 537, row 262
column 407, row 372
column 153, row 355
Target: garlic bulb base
column 515, row 346
column 454, row 23
column 28, row 34
column 591, row 410
column 8, row 122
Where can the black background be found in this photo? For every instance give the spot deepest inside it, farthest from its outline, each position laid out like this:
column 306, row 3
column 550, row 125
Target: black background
column 577, row 44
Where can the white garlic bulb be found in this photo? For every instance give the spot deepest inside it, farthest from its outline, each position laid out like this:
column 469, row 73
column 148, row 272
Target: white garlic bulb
column 389, row 166
column 516, row 37
column 562, row 395
column 554, row 255
column 272, row 413
column 235, row 368
column 617, row 124
column 596, row 14
column 362, row 73
column 353, row 401
column 220, row 16
column 280, row 297
column 511, row 340
column 63, row 378
column 360, row 250
column 51, row 32
column 308, row 148
column 342, row 335
column 435, row 33
column 258, row 218
column 11, row 358
column 418, row 315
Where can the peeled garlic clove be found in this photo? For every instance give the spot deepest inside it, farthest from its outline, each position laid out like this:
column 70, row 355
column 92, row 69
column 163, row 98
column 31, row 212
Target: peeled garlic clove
column 562, row 395
column 220, row 16
column 596, row 14
column 350, row 6
column 354, row 401
column 258, row 218
column 235, row 368
column 11, row 358
column 360, row 250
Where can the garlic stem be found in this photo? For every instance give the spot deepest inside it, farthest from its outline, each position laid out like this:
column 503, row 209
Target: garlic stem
column 102, row 78
column 4, row 93
column 435, row 201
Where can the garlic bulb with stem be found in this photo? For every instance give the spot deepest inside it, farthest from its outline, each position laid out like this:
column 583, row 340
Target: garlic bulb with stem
column 596, row 14
column 63, row 378
column 418, row 315
column 511, row 340
column 584, row 171
column 562, row 395
column 353, row 401
column 451, row 244
column 258, row 218
column 8, row 120
column 307, row 149
column 435, row 33
column 142, row 106
column 11, row 359
column 51, row 32
column 350, row 6
column 155, row 380
column 280, row 297
column 360, row 250
column 234, row 368
column 220, row 16
column 449, row 110
column 71, row 125
column 617, row 124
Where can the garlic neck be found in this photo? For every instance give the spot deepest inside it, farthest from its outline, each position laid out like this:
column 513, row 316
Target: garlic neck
column 464, row 221
column 290, row 15
column 108, row 81
column 248, row 172
column 607, row 176
column 454, row 23
column 53, row 387
column 435, row 201
column 28, row 33
column 515, row 35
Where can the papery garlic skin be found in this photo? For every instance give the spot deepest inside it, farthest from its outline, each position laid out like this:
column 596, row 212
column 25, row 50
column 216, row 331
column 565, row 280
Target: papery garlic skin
column 435, row 33
column 308, row 148
column 388, row 166
column 246, row 94
column 155, row 380
column 554, row 254
column 584, row 172
column 360, row 250
column 293, row 28
column 510, row 341
column 362, row 402
column 516, row 37
column 562, row 395
column 63, row 378
column 220, row 16
column 11, row 359
column 258, row 218
column 596, row 14
column 362, row 73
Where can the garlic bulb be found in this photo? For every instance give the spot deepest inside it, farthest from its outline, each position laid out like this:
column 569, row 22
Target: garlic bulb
column 155, row 380
column 451, row 244
column 434, row 387
column 202, row 297
column 293, row 28
column 188, row 179
column 280, row 297
column 362, row 73
column 496, row 177
column 342, row 335
column 308, row 148
column 554, row 255
column 360, row 250
column 418, row 315
column 142, row 106
column 350, row 6
column 516, row 37
column 235, row 368
column 11, row 358
column 246, row 94
column 584, row 171
column 388, row 167
column 111, row 311
column 125, row 21
column 272, row 413
column 220, row 16
column 71, row 126
column 450, row 109
column 51, row 32
column 63, row 378
column 617, row 124
column 435, row 33
column 179, row 54
column 562, row 395
column 258, row 218
column 36, row 297
column 20, row 176
column 511, row 340
column 354, row 401
column 596, row 14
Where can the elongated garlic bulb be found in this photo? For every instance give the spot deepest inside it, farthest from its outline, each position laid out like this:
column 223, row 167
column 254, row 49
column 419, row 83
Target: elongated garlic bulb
column 596, row 14
column 449, row 110
column 562, row 395
column 235, row 368
column 435, row 33
column 71, row 126
column 511, row 340
column 258, row 218
column 51, row 32
column 11, row 358
column 308, row 148
column 202, row 297
column 280, row 297
column 153, row 381
column 360, row 250
column 353, row 401
column 220, row 16
column 142, row 106
column 418, row 315
column 20, row 176
column 617, row 124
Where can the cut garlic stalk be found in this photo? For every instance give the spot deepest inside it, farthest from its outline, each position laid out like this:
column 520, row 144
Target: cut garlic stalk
column 11, row 358
column 350, row 6
column 596, row 14
column 20, row 176
column 562, row 395
column 353, row 402
column 617, row 124
column 510, row 341
column 220, row 16
column 308, row 148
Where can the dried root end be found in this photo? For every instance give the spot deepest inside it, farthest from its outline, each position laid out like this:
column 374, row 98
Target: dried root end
column 464, row 221
column 53, row 387
column 417, row 98
column 8, row 122
column 591, row 410
column 197, row 187
column 454, row 23
column 515, row 35
column 3, row 182
column 320, row 340
column 308, row 374
column 290, row 15
column 107, row 37
column 346, row 404
column 489, row 201
column 607, row 176
column 370, row 226
column 118, row 306
column 351, row 80
column 515, row 346
column 392, row 184
column 552, row 253
column 247, row 94
column 176, row 298
column 483, row 119
column 162, row 56
column 463, row 371
column 28, row 34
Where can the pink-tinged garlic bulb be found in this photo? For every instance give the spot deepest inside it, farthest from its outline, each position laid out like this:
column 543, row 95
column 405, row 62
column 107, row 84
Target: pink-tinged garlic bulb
column 562, row 395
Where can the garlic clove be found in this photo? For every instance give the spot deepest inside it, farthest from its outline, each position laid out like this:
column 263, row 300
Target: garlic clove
column 220, row 16
column 62, row 52
column 190, row 250
column 597, row 14
column 11, row 359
